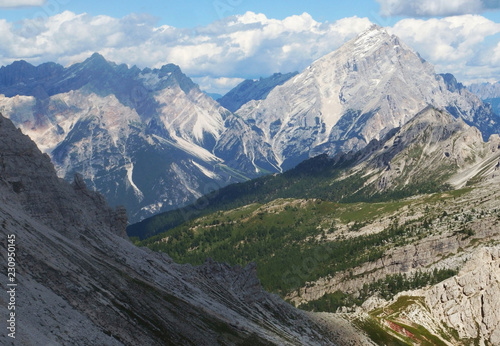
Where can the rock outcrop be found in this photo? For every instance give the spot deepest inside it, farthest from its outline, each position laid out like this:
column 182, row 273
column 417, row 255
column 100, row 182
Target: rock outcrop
column 469, row 302
column 37, row 188
column 462, row 310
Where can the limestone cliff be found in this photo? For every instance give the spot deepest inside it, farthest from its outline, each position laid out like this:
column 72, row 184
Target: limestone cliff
column 469, row 302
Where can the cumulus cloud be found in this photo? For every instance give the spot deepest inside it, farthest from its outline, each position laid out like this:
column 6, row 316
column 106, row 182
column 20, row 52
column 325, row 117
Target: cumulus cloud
column 453, row 44
column 243, row 46
column 218, row 56
column 217, row 85
column 20, row 3
column 429, row 8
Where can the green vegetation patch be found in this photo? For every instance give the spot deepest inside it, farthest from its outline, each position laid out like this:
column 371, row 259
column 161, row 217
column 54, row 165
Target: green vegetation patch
column 283, row 238
column 317, row 178
column 384, row 327
column 378, row 333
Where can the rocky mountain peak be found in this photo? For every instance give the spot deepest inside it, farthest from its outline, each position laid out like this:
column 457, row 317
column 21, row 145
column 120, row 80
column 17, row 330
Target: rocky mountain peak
column 373, row 41
column 92, row 66
column 431, row 116
column 184, row 82
column 16, row 72
column 369, row 40
column 369, row 86
column 96, row 59
column 451, row 82
column 432, row 129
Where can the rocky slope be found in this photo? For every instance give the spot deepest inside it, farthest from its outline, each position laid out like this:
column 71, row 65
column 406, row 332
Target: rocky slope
column 434, row 148
column 475, row 290
column 360, row 92
column 461, row 310
column 79, row 281
column 452, row 230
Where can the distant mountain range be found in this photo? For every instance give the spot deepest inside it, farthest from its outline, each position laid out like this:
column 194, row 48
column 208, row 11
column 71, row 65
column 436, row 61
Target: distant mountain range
column 151, row 140
column 249, row 90
column 489, row 93
column 148, row 139
column 485, row 90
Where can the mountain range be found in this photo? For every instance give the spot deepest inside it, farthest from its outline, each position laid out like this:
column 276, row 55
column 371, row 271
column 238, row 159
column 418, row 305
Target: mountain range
column 488, row 92
column 148, row 139
column 151, row 140
column 362, row 189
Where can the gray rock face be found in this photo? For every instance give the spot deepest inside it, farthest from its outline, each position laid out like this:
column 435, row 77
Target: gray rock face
column 469, row 302
column 80, row 282
column 369, row 86
column 46, row 196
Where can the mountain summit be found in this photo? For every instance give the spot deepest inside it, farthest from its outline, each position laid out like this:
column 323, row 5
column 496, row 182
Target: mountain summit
column 357, row 93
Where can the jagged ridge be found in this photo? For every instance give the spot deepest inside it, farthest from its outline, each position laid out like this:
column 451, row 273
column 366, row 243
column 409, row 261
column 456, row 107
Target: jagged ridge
column 148, row 139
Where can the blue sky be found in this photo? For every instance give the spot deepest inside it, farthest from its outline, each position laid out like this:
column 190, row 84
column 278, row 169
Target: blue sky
column 218, row 43
column 192, row 13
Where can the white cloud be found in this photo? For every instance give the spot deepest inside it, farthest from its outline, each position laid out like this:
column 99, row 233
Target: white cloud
column 429, row 8
column 446, row 39
column 453, row 44
column 21, row 3
column 217, row 85
column 244, row 46
column 219, row 55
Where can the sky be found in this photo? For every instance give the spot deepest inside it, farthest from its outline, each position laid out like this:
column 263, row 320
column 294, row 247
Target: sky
column 219, row 43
